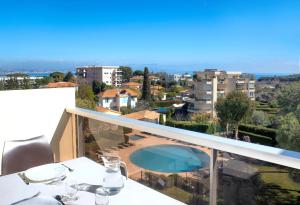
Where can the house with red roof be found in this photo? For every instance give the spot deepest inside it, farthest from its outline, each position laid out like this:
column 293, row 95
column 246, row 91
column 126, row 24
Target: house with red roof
column 115, row 99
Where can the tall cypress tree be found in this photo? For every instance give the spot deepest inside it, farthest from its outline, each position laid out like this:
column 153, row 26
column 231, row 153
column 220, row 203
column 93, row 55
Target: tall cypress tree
column 146, row 95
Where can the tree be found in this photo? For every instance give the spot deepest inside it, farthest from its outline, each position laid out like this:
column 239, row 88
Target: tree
column 222, row 113
column 260, row 118
column 288, row 133
column 289, row 97
column 161, row 119
column 98, row 86
column 2, row 84
column 18, row 81
column 69, row 77
column 57, row 76
column 85, row 91
column 146, row 95
column 85, row 103
column 126, row 73
column 138, row 72
column 41, row 82
column 233, row 109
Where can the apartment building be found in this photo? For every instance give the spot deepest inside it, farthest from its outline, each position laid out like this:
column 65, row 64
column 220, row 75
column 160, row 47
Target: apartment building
column 212, row 84
column 110, row 75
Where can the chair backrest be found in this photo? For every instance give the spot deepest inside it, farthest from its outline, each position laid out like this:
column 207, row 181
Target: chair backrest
column 19, row 155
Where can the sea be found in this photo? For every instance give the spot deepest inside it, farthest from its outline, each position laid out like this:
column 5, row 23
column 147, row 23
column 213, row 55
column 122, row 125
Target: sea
column 46, row 74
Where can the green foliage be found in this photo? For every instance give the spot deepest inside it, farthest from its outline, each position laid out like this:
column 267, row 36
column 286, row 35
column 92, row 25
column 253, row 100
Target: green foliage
column 85, row 91
column 126, row 110
column 2, row 85
column 233, row 108
column 260, row 118
column 188, row 125
column 165, row 103
column 98, row 87
column 288, row 134
column 138, row 72
column 211, row 128
column 42, row 82
column 176, row 88
column 256, row 138
column 57, row 76
column 201, row 117
column 171, row 94
column 161, row 119
column 260, row 130
column 289, row 97
column 69, row 77
column 126, row 73
column 17, row 81
column 146, row 94
column 85, row 103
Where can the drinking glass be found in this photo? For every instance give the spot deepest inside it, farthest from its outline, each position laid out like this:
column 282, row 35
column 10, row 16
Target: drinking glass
column 71, row 188
column 101, row 197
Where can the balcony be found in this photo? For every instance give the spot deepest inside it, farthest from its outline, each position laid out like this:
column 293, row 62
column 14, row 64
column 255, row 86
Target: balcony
column 229, row 171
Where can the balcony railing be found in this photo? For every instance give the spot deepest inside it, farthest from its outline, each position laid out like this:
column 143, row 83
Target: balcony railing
column 231, row 171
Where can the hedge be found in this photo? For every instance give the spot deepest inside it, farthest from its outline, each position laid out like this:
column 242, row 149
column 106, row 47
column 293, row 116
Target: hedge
column 188, row 125
column 267, row 109
column 165, row 103
column 255, row 138
column 262, row 131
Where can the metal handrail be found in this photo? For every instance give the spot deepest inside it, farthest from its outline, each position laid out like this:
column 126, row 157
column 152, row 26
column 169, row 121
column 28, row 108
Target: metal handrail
column 269, row 154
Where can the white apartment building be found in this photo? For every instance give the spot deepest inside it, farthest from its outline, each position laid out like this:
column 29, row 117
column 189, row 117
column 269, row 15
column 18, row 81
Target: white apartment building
column 212, row 84
column 172, row 77
column 110, row 75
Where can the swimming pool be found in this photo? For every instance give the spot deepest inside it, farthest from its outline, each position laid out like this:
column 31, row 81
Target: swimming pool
column 170, row 158
column 136, row 137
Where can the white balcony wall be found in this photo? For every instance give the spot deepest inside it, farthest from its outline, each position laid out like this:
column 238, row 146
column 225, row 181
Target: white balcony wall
column 30, row 113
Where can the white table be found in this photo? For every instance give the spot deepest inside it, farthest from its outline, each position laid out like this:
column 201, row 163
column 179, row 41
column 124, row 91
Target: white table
column 12, row 188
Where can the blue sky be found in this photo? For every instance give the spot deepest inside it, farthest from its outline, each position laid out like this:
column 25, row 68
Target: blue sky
column 253, row 36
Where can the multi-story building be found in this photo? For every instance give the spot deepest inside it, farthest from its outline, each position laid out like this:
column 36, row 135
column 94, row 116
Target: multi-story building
column 172, row 77
column 110, row 75
column 211, row 84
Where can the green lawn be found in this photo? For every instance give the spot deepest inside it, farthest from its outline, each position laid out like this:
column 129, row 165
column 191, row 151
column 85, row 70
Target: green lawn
column 281, row 179
column 177, row 193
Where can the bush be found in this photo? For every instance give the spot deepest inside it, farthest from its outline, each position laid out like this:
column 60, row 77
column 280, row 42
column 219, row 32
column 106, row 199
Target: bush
column 188, row 125
column 255, row 138
column 268, row 132
column 164, row 103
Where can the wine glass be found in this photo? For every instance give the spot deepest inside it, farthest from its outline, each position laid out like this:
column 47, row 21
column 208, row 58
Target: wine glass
column 71, row 188
column 101, row 196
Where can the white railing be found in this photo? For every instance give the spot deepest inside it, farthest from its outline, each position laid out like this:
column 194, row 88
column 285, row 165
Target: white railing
column 256, row 151
column 215, row 143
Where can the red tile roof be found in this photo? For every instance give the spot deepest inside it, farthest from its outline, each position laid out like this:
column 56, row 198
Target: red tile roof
column 132, row 84
column 110, row 93
column 61, row 85
column 144, row 114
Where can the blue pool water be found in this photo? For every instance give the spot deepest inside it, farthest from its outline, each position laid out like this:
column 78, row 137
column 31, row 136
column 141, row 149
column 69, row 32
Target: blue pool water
column 170, row 158
column 136, row 137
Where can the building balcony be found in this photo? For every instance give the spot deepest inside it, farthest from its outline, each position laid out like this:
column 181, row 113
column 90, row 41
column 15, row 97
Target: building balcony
column 192, row 167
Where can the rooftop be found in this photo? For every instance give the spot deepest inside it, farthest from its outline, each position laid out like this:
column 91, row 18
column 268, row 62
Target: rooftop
column 61, row 85
column 144, row 114
column 111, row 93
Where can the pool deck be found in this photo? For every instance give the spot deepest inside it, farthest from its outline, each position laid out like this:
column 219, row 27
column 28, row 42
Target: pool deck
column 150, row 140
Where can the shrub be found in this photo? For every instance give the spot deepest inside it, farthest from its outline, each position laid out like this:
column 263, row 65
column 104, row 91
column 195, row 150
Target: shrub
column 188, row 125
column 268, row 132
column 164, row 103
column 255, row 138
